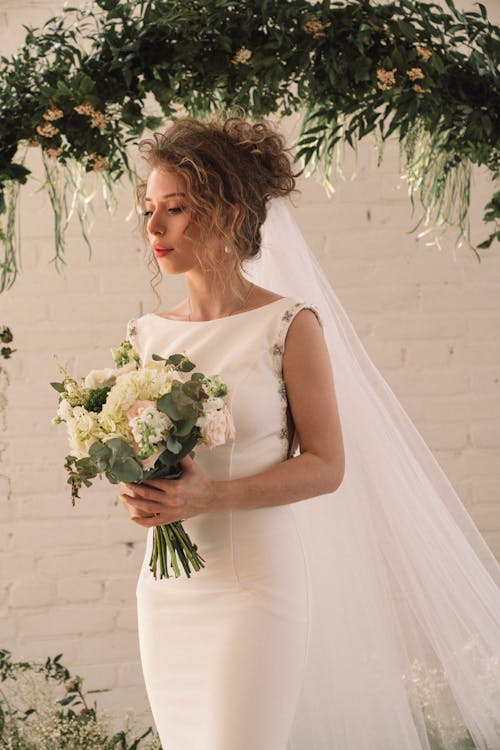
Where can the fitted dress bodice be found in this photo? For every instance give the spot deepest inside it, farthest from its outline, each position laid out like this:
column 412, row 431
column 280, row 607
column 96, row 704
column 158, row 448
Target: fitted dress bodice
column 246, row 351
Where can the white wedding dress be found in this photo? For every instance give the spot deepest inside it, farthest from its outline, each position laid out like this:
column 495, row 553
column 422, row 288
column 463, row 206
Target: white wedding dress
column 224, row 651
column 363, row 619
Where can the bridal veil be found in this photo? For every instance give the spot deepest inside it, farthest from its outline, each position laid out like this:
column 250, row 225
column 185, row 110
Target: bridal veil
column 404, row 641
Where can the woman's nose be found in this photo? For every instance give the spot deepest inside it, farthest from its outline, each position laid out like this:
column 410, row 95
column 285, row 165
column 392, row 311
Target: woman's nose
column 156, row 226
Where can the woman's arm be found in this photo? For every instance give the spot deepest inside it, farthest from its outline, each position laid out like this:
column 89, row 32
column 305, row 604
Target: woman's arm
column 319, row 468
column 311, row 395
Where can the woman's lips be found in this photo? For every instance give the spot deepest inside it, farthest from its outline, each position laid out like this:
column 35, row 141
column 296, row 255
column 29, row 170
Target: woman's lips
column 161, row 251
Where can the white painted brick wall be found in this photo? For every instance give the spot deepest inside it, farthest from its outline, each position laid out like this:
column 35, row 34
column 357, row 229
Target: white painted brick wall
column 431, row 324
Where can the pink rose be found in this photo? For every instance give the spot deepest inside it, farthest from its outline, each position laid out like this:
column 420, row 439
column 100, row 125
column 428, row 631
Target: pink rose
column 149, row 462
column 138, row 406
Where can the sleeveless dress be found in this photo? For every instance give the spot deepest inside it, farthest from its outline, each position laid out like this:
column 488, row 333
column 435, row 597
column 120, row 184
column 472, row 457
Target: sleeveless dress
column 223, row 653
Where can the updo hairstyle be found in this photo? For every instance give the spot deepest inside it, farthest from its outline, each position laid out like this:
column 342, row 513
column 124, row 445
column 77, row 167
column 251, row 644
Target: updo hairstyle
column 224, row 163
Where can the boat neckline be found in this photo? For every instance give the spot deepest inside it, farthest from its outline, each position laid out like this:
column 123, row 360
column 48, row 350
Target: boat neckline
column 223, row 317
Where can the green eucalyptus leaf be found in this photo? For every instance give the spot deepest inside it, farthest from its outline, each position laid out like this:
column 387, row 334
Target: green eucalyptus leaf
column 184, row 426
column 127, row 470
column 166, row 405
column 100, row 453
column 119, row 449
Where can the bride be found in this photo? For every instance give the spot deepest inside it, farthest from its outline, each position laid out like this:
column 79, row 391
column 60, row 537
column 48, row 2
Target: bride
column 348, row 602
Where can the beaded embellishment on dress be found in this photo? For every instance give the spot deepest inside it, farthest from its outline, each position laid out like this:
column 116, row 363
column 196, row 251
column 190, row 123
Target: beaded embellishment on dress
column 132, row 333
column 277, row 352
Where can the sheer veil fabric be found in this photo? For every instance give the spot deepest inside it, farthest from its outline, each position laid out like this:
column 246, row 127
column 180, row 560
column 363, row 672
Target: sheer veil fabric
column 404, row 634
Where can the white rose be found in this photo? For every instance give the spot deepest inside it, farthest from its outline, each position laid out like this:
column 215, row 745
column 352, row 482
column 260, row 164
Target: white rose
column 100, row 378
column 84, row 421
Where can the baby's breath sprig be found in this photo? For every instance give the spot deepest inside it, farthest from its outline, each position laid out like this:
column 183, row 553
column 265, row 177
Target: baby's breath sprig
column 44, row 706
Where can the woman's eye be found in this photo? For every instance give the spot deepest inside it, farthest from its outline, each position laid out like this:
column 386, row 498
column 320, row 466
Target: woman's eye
column 176, row 210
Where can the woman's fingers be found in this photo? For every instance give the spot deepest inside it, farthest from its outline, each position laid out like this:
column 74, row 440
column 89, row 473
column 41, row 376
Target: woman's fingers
column 145, row 491
column 135, row 508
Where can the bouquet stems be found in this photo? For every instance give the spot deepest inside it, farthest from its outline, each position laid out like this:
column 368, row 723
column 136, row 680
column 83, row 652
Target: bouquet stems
column 172, row 539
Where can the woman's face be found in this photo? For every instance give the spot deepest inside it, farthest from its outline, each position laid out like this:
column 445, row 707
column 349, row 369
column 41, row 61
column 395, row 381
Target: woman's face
column 169, row 223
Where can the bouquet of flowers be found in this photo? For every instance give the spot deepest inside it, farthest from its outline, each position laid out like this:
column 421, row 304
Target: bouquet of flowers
column 134, row 422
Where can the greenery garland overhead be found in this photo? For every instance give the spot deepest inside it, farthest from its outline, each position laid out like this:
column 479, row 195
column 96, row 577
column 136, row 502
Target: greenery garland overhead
column 77, row 89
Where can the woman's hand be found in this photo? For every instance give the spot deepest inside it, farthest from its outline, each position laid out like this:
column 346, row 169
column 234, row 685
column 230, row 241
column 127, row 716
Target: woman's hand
column 161, row 501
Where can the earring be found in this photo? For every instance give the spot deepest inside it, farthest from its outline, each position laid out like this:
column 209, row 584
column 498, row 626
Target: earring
column 227, row 249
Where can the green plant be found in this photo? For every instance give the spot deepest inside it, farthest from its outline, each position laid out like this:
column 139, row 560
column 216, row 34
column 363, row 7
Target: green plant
column 77, row 89
column 43, row 707
column 6, row 352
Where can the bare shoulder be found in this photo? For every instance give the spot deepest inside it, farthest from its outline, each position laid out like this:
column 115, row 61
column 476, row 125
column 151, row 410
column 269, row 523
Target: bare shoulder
column 305, row 322
column 305, row 345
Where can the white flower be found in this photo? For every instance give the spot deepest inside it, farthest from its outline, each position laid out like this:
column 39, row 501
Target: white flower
column 212, row 404
column 83, row 431
column 124, row 355
column 149, row 426
column 100, row 378
column 126, row 368
column 213, row 386
column 84, row 420
column 150, row 382
column 64, row 410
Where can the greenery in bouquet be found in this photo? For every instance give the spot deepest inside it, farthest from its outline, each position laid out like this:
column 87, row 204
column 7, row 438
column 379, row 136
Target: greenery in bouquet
column 131, row 423
column 44, row 707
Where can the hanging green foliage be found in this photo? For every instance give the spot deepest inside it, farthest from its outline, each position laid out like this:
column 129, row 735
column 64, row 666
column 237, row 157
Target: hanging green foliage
column 6, row 352
column 78, row 85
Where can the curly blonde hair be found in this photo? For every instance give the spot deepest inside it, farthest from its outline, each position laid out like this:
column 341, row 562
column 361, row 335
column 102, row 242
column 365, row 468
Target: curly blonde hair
column 224, row 163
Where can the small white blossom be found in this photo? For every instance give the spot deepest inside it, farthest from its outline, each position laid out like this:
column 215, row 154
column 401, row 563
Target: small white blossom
column 100, row 378
column 64, row 410
column 149, row 427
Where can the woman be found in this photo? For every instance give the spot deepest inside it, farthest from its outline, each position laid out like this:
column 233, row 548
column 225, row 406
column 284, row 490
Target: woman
column 347, row 601
column 223, row 652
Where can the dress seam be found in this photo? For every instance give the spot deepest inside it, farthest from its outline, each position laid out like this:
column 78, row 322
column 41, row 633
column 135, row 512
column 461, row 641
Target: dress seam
column 231, row 511
column 308, row 594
